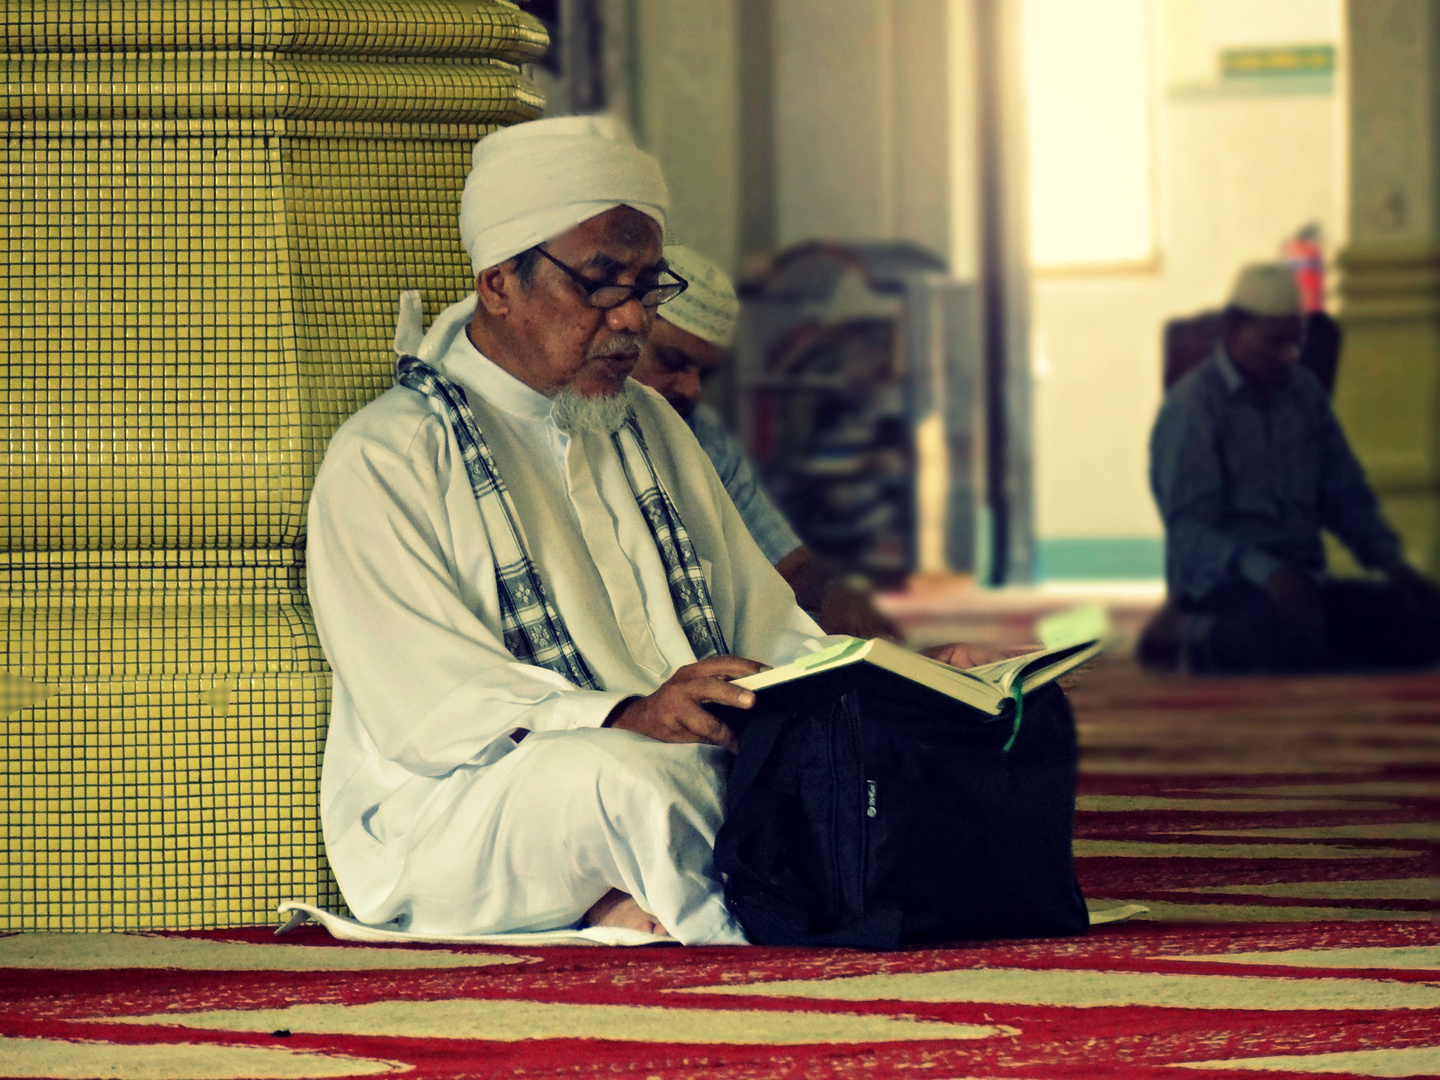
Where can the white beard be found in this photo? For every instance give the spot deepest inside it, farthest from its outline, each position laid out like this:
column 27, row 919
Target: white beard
column 577, row 414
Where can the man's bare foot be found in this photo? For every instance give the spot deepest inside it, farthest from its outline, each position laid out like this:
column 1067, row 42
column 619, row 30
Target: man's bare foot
column 616, row 908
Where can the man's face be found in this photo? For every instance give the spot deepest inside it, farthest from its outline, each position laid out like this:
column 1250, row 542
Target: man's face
column 1266, row 347
column 557, row 337
column 676, row 363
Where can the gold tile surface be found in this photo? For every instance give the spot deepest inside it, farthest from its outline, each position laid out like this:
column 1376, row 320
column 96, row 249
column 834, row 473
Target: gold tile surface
column 211, row 208
column 469, row 28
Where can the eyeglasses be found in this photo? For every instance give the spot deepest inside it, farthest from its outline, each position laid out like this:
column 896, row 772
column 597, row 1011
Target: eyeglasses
column 651, row 294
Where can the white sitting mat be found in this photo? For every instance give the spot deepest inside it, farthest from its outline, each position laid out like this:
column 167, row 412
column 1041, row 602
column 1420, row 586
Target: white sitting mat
column 1124, row 913
column 386, row 933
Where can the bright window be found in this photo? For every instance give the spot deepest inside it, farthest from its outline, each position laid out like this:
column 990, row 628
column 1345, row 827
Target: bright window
column 1087, row 111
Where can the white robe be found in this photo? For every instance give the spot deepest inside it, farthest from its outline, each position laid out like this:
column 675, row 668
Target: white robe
column 433, row 816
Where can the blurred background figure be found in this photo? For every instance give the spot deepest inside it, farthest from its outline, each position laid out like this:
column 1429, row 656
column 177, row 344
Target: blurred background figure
column 1248, row 465
column 1189, row 342
column 690, row 341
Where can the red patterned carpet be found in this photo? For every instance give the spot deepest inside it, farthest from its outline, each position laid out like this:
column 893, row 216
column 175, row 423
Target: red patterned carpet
column 1282, row 835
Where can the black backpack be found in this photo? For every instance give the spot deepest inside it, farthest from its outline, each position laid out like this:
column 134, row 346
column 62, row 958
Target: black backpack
column 873, row 812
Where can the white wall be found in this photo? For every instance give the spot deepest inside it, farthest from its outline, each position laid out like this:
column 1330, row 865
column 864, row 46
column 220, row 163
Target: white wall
column 1234, row 176
column 862, row 96
column 687, row 106
column 862, row 90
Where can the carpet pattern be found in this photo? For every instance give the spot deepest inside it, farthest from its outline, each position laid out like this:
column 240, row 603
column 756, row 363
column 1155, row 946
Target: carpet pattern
column 1339, row 999
column 1281, row 833
column 1260, row 799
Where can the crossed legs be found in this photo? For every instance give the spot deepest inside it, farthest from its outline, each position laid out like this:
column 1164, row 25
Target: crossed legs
column 543, row 837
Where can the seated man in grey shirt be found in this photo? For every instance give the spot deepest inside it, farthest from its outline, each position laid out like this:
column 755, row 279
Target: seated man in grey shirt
column 691, row 340
column 1248, row 464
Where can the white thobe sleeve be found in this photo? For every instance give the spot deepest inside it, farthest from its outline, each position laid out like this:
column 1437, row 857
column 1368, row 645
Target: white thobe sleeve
column 413, row 638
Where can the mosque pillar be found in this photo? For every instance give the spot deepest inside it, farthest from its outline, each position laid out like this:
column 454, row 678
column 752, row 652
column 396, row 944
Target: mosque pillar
column 210, row 210
column 1388, row 387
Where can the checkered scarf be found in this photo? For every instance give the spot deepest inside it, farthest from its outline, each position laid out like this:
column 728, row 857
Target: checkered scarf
column 533, row 630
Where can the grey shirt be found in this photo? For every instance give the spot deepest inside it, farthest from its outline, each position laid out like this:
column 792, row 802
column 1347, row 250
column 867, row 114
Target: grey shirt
column 1245, row 486
column 772, row 533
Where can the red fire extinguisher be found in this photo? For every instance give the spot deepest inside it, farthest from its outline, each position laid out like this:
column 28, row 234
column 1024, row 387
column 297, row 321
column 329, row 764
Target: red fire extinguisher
column 1304, row 256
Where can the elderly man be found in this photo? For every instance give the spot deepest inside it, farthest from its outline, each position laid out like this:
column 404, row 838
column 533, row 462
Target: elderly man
column 529, row 583
column 690, row 340
column 1248, row 464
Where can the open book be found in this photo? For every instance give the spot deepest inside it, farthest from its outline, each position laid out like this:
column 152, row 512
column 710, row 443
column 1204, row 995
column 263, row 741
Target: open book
column 988, row 688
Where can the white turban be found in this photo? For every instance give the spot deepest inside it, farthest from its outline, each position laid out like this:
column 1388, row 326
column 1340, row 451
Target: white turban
column 708, row 308
column 536, row 180
column 1267, row 289
column 528, row 183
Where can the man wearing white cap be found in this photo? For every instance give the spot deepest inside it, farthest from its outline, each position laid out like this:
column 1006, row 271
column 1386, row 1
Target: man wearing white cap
column 1248, row 465
column 529, row 582
column 690, row 340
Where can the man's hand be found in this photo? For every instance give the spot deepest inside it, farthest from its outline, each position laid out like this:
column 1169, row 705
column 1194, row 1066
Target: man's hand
column 840, row 602
column 1298, row 600
column 1414, row 587
column 958, row 654
column 846, row 608
column 676, row 711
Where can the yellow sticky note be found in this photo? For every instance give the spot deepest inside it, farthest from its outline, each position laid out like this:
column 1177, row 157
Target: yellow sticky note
column 1088, row 622
column 829, row 654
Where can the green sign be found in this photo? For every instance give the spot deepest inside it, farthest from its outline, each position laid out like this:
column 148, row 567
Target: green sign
column 1278, row 61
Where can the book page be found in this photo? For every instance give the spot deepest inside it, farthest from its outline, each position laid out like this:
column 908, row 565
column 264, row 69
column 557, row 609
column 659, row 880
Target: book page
column 1005, row 673
column 958, row 683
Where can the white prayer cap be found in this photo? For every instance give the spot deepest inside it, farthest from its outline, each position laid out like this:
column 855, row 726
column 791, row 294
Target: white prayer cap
column 533, row 181
column 1267, row 289
column 709, row 307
